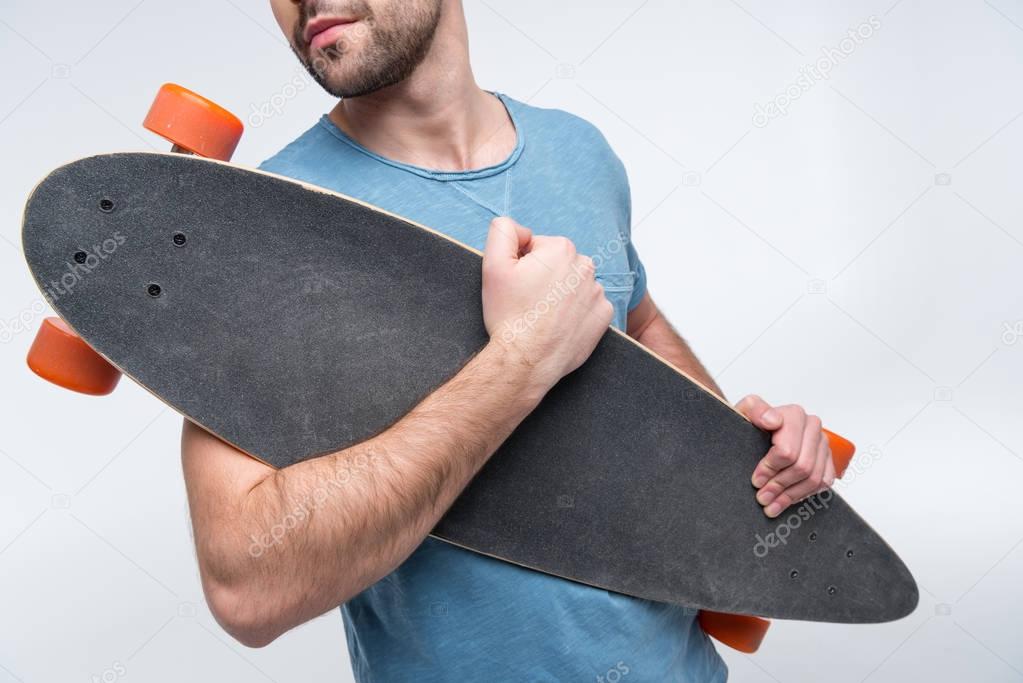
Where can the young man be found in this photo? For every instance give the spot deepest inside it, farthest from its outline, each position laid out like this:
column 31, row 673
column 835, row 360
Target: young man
column 413, row 134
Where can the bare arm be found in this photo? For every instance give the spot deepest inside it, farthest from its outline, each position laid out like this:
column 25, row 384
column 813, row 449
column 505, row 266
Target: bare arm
column 279, row 547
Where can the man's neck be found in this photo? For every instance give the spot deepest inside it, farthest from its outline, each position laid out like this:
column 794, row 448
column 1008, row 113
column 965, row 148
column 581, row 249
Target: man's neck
column 438, row 118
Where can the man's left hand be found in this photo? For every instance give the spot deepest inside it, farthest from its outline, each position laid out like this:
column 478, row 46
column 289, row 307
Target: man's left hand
column 798, row 464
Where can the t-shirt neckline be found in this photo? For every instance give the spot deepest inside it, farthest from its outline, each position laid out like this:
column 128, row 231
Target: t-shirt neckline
column 434, row 174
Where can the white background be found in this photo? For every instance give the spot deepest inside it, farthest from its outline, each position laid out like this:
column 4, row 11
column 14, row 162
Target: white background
column 822, row 259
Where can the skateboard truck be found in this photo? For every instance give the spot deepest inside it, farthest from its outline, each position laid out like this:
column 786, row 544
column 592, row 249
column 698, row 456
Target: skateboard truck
column 193, row 125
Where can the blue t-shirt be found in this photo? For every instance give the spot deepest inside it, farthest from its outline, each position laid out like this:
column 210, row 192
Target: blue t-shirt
column 448, row 614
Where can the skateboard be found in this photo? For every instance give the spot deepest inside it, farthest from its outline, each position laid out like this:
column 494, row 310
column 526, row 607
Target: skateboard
column 291, row 322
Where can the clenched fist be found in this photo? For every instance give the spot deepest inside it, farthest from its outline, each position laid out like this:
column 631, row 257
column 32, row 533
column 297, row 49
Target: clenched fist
column 541, row 299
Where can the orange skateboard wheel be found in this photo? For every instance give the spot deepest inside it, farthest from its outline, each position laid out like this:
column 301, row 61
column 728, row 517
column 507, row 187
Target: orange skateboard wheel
column 842, row 451
column 193, row 123
column 737, row 631
column 62, row 357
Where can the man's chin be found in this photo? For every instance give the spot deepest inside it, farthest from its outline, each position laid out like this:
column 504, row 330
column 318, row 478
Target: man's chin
column 330, row 70
column 338, row 85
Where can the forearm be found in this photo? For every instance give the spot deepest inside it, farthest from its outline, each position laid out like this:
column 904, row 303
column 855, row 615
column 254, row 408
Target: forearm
column 309, row 537
column 277, row 548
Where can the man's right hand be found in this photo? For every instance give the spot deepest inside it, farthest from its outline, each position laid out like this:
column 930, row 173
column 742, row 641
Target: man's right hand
column 541, row 300
column 263, row 574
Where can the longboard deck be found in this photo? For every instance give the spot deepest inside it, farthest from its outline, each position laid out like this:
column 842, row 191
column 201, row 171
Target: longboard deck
column 291, row 322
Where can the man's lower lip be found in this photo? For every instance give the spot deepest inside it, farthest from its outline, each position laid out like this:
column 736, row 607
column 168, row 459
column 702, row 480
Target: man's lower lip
column 329, row 36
